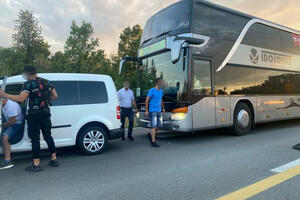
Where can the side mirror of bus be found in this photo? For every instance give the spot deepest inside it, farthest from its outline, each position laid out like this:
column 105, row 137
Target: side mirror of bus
column 177, row 43
column 134, row 59
column 191, row 40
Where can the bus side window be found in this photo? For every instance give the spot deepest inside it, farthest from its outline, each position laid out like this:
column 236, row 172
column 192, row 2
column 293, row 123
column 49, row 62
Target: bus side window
column 202, row 78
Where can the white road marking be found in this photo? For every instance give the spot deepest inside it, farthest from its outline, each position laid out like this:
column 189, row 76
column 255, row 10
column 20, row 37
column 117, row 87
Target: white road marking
column 286, row 166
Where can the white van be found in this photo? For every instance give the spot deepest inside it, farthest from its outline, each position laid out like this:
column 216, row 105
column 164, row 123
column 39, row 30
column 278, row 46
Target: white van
column 86, row 113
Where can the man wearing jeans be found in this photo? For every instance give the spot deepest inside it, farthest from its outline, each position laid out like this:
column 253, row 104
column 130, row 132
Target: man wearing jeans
column 12, row 127
column 154, row 107
column 126, row 99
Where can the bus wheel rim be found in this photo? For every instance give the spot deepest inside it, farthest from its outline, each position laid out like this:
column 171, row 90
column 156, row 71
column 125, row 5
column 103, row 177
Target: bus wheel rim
column 243, row 119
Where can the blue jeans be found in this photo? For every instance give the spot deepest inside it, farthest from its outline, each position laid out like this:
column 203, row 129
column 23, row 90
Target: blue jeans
column 156, row 119
column 13, row 131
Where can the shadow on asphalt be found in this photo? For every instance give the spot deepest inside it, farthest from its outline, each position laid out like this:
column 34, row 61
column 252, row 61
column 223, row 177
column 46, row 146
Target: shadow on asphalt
column 165, row 136
column 227, row 132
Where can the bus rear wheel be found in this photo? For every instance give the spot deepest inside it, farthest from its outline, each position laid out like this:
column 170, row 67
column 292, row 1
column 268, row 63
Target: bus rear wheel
column 242, row 121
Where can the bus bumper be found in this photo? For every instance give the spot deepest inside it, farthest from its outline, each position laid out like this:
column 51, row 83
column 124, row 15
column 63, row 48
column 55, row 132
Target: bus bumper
column 168, row 125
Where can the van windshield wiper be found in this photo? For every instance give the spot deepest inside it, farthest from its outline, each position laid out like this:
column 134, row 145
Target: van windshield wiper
column 164, row 33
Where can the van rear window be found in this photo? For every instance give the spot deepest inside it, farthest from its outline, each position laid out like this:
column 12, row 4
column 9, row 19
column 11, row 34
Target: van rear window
column 92, row 92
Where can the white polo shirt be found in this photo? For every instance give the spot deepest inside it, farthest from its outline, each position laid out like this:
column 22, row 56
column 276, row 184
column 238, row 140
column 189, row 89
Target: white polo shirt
column 125, row 98
column 13, row 109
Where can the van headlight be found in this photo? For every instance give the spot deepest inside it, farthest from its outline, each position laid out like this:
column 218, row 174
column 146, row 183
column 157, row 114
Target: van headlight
column 178, row 116
column 137, row 115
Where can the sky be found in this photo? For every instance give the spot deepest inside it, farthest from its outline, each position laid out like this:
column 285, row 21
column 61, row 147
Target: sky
column 110, row 17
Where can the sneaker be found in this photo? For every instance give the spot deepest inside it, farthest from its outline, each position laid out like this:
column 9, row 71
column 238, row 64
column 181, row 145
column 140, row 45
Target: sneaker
column 155, row 144
column 297, row 147
column 34, row 168
column 131, row 138
column 6, row 165
column 53, row 163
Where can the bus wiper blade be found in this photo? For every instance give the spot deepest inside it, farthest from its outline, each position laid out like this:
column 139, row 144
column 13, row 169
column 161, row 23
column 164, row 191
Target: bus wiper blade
column 146, row 41
column 165, row 33
column 170, row 98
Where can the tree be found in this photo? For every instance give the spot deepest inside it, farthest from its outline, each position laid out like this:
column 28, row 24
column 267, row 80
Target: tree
column 58, row 63
column 128, row 46
column 11, row 61
column 81, row 49
column 29, row 37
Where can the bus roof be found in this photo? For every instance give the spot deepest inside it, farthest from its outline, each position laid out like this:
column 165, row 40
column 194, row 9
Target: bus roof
column 205, row 2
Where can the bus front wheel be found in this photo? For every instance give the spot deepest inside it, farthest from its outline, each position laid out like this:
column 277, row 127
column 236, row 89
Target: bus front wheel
column 242, row 121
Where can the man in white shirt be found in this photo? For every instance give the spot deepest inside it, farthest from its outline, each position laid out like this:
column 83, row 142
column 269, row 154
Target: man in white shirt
column 126, row 99
column 12, row 127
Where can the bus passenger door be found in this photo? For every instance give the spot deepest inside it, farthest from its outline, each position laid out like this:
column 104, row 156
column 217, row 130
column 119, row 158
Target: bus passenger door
column 202, row 98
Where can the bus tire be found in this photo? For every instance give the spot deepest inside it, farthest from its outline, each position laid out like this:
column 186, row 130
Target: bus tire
column 242, row 120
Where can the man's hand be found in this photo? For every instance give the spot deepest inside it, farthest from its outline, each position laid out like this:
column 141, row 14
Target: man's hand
column 147, row 114
column 164, row 110
column 2, row 93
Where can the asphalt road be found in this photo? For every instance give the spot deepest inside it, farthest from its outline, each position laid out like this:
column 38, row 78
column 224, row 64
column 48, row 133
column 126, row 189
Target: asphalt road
column 205, row 166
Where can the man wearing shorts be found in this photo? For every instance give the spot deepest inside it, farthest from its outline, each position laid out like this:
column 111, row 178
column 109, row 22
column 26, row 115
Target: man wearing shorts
column 154, row 108
column 12, row 127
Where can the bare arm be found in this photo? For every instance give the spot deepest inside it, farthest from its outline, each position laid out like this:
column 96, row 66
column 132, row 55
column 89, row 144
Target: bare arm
column 11, row 121
column 147, row 106
column 54, row 94
column 134, row 104
column 17, row 98
column 162, row 106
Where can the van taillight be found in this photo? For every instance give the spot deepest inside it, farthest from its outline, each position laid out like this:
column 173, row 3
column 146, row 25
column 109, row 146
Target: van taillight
column 118, row 112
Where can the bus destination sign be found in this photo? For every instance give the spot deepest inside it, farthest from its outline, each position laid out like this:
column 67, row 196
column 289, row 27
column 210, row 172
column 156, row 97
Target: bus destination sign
column 152, row 48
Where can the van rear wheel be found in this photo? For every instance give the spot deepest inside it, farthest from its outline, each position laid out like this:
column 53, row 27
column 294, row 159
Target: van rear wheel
column 243, row 120
column 92, row 140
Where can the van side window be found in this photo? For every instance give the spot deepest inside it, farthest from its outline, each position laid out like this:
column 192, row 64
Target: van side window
column 67, row 93
column 92, row 92
column 14, row 89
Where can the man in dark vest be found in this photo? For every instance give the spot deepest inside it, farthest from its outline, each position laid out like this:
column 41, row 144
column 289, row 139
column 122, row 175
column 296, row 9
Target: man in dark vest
column 40, row 92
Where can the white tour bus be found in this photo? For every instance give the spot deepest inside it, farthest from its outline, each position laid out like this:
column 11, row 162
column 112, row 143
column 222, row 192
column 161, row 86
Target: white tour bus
column 222, row 68
column 86, row 114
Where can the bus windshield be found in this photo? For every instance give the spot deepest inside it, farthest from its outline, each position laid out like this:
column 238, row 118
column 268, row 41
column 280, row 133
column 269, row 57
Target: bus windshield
column 174, row 18
column 175, row 76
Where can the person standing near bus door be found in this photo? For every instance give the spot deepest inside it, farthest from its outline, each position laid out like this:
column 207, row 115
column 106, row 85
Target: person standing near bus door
column 126, row 99
column 154, row 108
column 12, row 127
column 40, row 92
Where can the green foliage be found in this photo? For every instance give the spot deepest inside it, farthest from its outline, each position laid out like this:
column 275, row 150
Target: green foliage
column 81, row 49
column 11, row 61
column 81, row 54
column 128, row 46
column 29, row 37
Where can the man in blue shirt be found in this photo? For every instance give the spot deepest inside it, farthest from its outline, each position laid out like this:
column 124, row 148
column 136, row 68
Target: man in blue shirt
column 154, row 108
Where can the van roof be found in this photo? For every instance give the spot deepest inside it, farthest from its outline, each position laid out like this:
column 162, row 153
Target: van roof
column 63, row 77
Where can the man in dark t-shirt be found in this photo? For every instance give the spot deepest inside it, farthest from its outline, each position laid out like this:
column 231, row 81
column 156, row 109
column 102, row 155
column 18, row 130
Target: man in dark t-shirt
column 40, row 92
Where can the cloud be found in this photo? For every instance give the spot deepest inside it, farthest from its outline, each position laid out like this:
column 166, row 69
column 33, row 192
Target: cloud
column 109, row 17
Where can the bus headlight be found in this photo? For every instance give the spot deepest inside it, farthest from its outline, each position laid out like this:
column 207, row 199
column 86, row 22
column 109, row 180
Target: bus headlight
column 178, row 116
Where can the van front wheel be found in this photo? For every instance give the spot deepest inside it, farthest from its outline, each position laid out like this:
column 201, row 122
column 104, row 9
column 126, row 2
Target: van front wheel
column 92, row 140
